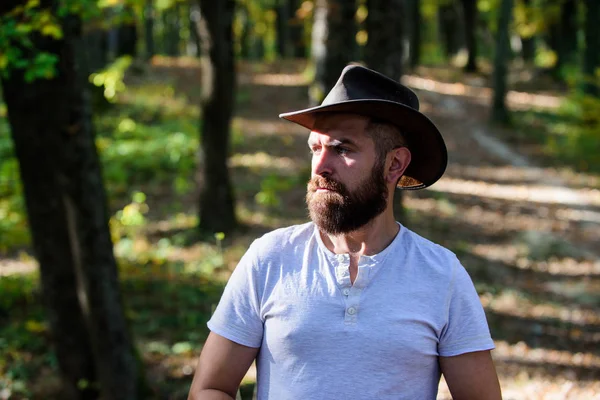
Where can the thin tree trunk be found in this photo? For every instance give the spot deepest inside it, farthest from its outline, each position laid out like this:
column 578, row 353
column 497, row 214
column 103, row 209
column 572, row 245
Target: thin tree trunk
column 194, row 20
column 415, row 32
column 449, row 28
column 244, row 37
column 563, row 37
column 470, row 13
column 171, row 29
column 501, row 58
column 591, row 58
column 296, row 31
column 51, row 127
column 217, row 211
column 283, row 28
column 528, row 42
column 149, row 28
column 385, row 47
column 569, row 30
column 333, row 44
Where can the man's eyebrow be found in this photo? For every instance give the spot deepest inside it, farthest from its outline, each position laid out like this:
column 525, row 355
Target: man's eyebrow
column 333, row 143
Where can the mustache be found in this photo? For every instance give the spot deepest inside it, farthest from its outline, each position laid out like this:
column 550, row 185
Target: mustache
column 320, row 182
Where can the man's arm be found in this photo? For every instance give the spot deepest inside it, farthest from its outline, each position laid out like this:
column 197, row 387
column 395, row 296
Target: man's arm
column 471, row 376
column 220, row 370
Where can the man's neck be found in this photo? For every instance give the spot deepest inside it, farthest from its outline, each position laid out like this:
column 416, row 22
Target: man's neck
column 368, row 240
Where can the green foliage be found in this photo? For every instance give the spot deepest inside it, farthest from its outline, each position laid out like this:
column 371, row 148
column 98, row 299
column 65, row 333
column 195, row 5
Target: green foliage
column 17, row 26
column 13, row 222
column 570, row 134
column 22, row 330
column 17, row 50
column 111, row 77
column 271, row 187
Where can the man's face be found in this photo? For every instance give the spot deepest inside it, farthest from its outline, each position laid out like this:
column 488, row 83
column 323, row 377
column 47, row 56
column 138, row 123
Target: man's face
column 347, row 188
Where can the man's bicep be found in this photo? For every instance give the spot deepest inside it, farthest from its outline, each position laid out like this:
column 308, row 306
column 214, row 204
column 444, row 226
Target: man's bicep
column 222, row 365
column 471, row 376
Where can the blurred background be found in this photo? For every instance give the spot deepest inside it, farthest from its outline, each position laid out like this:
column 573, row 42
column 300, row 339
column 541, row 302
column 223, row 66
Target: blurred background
column 141, row 154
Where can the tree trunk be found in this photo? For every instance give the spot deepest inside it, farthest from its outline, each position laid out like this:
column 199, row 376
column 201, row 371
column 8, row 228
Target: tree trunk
column 569, row 30
column 414, row 12
column 384, row 52
column 52, row 131
column 528, row 47
column 591, row 59
column 470, row 13
column 333, row 44
column 149, row 28
column 127, row 34
column 217, row 210
column 194, row 19
column 244, row 37
column 385, row 47
column 171, row 28
column 563, row 37
column 296, row 31
column 501, row 59
column 127, row 45
column 96, row 46
column 449, row 28
column 283, row 28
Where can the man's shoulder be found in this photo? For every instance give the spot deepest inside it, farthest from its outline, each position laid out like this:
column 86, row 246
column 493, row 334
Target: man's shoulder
column 433, row 254
column 414, row 239
column 284, row 239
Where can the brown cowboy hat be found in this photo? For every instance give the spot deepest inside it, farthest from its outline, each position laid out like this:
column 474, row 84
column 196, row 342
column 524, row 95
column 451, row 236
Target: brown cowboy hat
column 362, row 91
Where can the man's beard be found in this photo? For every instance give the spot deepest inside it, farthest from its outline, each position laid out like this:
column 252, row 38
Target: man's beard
column 342, row 211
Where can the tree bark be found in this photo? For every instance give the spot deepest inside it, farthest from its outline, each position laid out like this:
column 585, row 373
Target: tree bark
column 470, row 14
column 296, row 31
column 127, row 36
column 591, row 58
column 333, row 44
column 384, row 52
column 283, row 28
column 149, row 28
column 501, row 58
column 563, row 37
column 52, row 131
column 244, row 38
column 528, row 47
column 217, row 209
column 414, row 11
column 449, row 28
column 171, row 29
column 385, row 48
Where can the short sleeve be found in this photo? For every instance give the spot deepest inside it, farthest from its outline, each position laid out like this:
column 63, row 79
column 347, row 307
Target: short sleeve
column 466, row 327
column 237, row 316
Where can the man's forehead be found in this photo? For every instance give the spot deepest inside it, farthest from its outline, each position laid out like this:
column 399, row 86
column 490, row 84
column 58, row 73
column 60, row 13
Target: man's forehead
column 340, row 124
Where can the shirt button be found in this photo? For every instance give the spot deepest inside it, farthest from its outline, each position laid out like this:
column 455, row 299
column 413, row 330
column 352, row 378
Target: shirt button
column 351, row 310
column 346, row 291
column 340, row 257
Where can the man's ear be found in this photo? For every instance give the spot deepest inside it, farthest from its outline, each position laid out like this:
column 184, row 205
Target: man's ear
column 399, row 158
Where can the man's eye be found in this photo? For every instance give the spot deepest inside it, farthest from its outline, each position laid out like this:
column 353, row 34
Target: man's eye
column 342, row 150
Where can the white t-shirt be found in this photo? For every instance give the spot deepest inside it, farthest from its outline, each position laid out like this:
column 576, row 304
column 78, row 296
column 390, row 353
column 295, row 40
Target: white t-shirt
column 321, row 337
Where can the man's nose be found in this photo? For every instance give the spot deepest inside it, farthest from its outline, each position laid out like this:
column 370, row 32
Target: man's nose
column 322, row 163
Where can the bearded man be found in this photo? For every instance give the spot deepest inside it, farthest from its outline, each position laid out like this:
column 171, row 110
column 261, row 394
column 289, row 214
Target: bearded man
column 353, row 305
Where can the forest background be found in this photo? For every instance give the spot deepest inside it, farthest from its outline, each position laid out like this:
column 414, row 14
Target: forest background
column 141, row 154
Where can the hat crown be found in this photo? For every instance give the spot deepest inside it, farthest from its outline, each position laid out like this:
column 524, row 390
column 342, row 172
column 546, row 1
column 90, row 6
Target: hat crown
column 359, row 83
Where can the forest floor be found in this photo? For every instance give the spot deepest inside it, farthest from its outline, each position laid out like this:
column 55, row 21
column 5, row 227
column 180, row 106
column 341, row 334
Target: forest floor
column 526, row 227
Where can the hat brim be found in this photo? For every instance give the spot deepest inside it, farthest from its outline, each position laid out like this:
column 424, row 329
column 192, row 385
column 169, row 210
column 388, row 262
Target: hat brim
column 429, row 156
